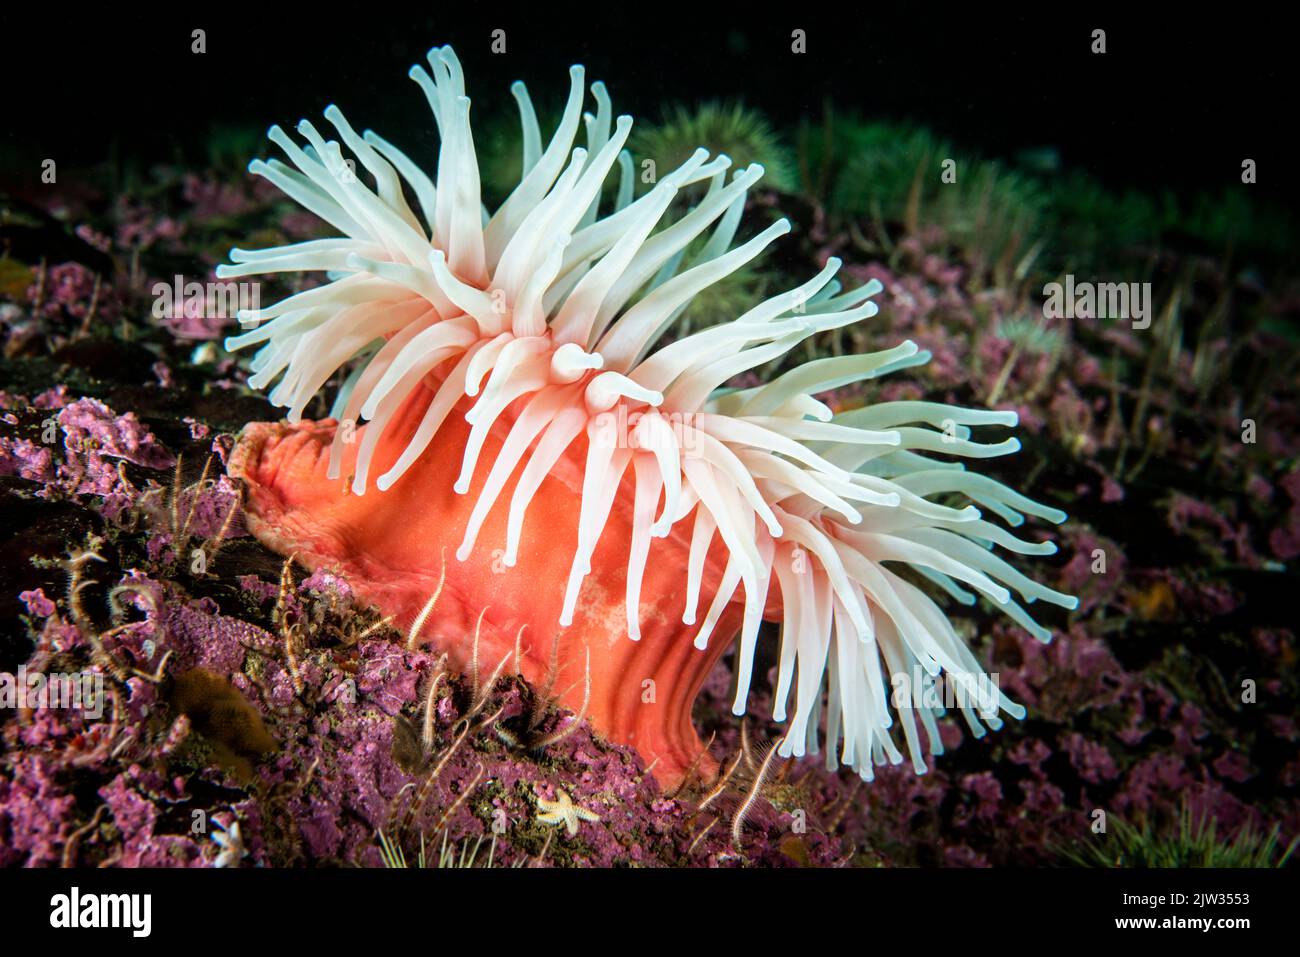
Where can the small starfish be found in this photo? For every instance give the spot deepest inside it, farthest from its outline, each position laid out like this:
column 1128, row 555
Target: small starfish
column 564, row 811
column 232, row 847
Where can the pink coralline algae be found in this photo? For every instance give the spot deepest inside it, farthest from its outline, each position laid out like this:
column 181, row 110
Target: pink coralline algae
column 139, row 227
column 35, row 813
column 68, row 291
column 27, row 460
column 91, row 428
column 36, row 602
column 212, row 198
column 95, row 440
column 56, row 752
column 350, row 723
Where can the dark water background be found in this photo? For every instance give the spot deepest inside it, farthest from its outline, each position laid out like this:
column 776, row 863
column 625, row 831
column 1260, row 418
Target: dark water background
column 1175, row 102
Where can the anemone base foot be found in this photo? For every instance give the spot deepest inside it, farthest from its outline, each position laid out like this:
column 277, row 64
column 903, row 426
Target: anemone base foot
column 397, row 549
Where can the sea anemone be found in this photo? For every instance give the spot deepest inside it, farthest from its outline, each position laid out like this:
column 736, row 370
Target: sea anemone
column 538, row 479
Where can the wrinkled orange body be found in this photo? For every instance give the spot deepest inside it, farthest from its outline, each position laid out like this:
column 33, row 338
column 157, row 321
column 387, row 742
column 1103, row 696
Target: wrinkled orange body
column 391, row 546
